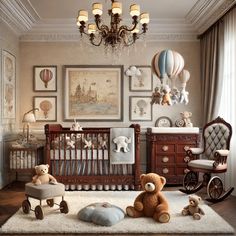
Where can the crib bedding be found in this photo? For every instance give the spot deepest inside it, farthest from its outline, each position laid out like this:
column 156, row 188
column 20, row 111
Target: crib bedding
column 78, row 154
column 86, row 162
column 22, row 160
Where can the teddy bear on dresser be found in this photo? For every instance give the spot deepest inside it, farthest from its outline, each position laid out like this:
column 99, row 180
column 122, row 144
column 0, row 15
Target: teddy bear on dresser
column 42, row 176
column 151, row 202
column 193, row 208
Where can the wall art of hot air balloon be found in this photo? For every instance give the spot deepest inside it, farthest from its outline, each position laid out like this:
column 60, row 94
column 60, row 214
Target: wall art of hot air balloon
column 47, row 108
column 45, row 78
column 45, row 75
column 167, row 63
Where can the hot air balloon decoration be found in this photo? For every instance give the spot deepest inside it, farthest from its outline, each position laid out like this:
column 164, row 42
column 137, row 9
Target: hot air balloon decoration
column 167, row 63
column 168, row 66
column 45, row 106
column 46, row 75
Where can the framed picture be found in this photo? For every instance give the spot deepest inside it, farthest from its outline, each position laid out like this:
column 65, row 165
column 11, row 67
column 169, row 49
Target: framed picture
column 93, row 93
column 140, row 108
column 142, row 82
column 45, row 78
column 47, row 106
column 8, row 85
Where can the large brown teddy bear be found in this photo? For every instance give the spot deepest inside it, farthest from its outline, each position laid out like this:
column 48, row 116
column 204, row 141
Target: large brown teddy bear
column 42, row 176
column 151, row 202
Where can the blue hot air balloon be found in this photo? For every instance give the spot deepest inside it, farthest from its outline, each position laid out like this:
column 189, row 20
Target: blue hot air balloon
column 167, row 63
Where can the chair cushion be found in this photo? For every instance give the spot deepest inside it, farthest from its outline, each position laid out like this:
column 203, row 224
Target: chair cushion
column 103, row 214
column 205, row 164
column 44, row 191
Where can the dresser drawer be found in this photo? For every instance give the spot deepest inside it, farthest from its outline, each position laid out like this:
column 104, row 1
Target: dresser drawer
column 182, row 148
column 165, row 170
column 182, row 170
column 182, row 159
column 165, row 148
column 165, row 159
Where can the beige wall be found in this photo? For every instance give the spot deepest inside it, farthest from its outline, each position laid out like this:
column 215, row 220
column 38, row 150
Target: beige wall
column 60, row 54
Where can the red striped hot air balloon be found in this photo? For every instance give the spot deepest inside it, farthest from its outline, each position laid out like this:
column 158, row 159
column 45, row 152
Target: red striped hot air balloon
column 167, row 63
column 45, row 75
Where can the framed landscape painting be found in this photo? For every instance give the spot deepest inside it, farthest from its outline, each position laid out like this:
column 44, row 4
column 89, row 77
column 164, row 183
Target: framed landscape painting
column 93, row 93
column 45, row 78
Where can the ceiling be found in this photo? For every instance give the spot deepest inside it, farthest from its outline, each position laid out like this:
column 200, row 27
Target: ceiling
column 55, row 20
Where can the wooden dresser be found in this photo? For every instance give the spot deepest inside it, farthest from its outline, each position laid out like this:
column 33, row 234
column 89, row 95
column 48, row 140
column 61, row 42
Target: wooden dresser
column 166, row 151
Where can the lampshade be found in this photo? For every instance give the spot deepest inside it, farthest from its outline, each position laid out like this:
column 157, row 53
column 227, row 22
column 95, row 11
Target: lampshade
column 83, row 16
column 91, row 28
column 97, row 9
column 29, row 118
column 134, row 10
column 117, row 8
column 144, row 18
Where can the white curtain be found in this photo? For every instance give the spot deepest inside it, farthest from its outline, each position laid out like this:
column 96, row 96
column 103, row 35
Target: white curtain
column 227, row 108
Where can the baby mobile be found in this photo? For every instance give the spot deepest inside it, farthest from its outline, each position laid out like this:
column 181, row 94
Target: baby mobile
column 168, row 66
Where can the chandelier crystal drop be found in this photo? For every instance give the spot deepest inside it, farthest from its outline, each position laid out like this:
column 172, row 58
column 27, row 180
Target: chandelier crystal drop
column 115, row 36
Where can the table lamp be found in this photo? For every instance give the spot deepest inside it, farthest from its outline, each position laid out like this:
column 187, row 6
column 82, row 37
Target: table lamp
column 28, row 118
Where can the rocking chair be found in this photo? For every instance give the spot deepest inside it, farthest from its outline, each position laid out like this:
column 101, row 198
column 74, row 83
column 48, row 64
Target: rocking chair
column 211, row 159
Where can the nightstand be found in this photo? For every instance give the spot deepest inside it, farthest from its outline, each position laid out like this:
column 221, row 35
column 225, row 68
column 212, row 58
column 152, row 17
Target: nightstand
column 24, row 159
column 166, row 151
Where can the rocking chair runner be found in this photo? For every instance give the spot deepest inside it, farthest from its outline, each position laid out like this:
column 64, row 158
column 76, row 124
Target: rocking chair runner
column 211, row 159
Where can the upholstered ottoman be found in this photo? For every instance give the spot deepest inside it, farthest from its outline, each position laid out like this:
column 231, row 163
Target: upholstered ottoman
column 42, row 192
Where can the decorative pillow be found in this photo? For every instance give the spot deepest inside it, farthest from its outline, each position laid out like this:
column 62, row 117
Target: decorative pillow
column 103, row 214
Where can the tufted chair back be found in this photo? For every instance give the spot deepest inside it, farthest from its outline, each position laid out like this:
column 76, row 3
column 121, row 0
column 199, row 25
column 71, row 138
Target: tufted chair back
column 216, row 135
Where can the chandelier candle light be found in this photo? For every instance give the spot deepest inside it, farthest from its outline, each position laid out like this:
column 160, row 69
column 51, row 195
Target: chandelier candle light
column 116, row 35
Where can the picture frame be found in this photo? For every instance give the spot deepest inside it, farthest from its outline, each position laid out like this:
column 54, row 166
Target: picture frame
column 142, row 83
column 140, row 108
column 47, row 106
column 8, row 86
column 45, row 78
column 93, row 93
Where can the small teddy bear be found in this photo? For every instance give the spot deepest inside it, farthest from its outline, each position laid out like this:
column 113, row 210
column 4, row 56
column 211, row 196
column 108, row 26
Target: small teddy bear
column 193, row 208
column 166, row 97
column 42, row 176
column 151, row 202
column 186, row 118
column 156, row 96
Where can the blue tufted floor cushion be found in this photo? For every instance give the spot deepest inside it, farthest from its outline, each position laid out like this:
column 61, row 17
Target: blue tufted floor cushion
column 103, row 214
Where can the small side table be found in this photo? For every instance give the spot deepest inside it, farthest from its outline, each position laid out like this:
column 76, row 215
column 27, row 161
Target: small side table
column 24, row 159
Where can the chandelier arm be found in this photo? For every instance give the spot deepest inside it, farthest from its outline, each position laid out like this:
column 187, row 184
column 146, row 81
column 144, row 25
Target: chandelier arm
column 125, row 28
column 99, row 26
column 92, row 37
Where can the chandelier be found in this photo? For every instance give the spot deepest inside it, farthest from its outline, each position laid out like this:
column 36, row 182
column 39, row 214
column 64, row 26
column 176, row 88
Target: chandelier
column 115, row 35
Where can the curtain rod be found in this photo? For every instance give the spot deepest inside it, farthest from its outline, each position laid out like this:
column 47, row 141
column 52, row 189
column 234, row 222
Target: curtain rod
column 218, row 21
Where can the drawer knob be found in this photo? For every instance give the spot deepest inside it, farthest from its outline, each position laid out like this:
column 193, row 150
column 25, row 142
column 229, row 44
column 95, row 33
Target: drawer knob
column 186, row 171
column 165, row 148
column 187, row 159
column 165, row 171
column 186, row 148
column 165, row 159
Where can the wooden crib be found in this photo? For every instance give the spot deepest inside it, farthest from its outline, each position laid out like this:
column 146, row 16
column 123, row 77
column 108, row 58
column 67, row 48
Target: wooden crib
column 81, row 159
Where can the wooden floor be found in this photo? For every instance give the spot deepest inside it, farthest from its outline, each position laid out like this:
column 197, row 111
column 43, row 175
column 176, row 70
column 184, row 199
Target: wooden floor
column 12, row 196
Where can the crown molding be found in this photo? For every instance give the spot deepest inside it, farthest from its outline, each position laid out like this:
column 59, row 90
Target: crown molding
column 206, row 12
column 19, row 15
column 59, row 30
